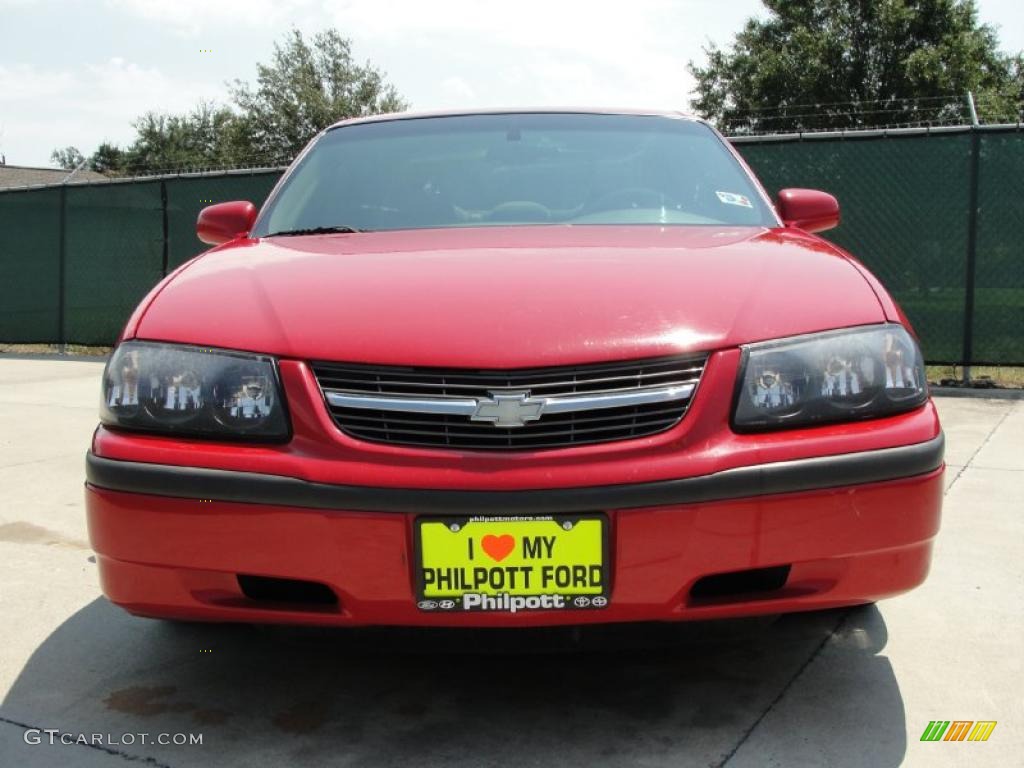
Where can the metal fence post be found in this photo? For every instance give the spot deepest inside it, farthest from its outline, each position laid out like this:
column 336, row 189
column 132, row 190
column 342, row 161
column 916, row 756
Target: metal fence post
column 166, row 244
column 62, row 337
column 62, row 269
column 972, row 241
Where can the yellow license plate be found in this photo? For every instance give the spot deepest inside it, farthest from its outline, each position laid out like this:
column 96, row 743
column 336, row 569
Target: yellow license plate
column 512, row 564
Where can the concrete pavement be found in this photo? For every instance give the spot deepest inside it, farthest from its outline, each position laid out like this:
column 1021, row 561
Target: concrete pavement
column 844, row 688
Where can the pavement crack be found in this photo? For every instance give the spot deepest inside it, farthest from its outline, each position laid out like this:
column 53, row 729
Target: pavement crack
column 977, row 450
column 782, row 693
column 127, row 756
column 21, row 404
column 40, row 461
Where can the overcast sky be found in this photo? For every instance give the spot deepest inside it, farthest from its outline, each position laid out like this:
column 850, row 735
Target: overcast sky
column 78, row 72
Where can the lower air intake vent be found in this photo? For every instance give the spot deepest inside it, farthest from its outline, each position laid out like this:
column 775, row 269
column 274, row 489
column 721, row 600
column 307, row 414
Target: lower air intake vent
column 295, row 591
column 737, row 583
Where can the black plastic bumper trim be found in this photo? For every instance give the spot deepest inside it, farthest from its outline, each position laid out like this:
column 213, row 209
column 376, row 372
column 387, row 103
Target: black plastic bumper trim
column 763, row 479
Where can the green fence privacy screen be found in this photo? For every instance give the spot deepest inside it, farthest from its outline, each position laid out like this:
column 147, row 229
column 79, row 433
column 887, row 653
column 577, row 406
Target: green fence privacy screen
column 937, row 216
column 76, row 259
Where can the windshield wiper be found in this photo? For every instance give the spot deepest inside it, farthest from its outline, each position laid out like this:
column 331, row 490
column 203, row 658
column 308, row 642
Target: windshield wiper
column 316, row 231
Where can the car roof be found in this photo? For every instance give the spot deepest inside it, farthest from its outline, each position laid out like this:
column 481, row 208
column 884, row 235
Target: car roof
column 389, row 116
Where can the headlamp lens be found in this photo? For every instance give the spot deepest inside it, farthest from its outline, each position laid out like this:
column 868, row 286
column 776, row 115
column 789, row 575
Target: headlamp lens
column 194, row 391
column 836, row 376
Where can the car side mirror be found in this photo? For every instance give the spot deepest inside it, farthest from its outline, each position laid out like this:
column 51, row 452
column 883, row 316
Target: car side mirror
column 225, row 221
column 808, row 209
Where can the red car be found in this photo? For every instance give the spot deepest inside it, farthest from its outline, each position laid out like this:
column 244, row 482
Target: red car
column 514, row 368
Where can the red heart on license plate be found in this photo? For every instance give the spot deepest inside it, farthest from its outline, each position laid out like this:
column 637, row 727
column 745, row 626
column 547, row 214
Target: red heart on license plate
column 498, row 547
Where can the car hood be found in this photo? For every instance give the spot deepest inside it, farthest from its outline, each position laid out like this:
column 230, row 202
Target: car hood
column 511, row 296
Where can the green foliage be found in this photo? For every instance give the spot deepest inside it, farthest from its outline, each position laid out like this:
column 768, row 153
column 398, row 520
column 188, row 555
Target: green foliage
column 67, row 158
column 857, row 64
column 306, row 86
column 108, row 158
column 201, row 138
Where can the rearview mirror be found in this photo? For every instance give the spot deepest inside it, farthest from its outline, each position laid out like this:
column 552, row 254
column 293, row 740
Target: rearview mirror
column 225, row 221
column 808, row 209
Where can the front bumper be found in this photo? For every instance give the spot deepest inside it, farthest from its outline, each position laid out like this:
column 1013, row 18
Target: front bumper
column 856, row 527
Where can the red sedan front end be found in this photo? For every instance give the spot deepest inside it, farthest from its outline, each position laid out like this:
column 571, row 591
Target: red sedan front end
column 514, row 369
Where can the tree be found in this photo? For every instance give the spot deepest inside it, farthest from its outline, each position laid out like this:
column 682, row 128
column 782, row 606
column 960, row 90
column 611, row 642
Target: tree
column 201, row 138
column 68, row 158
column 305, row 88
column 108, row 159
column 856, row 64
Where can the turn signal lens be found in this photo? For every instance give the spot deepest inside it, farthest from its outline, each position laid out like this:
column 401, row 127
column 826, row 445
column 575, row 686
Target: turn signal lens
column 193, row 391
column 837, row 376
column 121, row 385
column 904, row 375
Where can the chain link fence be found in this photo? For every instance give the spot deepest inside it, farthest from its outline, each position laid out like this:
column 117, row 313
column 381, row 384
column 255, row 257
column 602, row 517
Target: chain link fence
column 937, row 214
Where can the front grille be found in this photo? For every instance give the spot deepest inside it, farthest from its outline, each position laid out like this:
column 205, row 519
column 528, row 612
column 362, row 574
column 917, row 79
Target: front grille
column 552, row 430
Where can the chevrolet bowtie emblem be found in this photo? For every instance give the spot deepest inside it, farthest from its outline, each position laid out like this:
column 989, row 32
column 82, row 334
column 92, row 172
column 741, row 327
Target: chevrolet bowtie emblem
column 508, row 409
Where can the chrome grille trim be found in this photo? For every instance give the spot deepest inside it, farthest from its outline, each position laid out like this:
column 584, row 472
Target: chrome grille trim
column 524, row 409
column 454, row 405
column 542, row 385
column 468, row 407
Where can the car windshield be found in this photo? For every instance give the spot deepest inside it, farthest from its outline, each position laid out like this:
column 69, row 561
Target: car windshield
column 515, row 169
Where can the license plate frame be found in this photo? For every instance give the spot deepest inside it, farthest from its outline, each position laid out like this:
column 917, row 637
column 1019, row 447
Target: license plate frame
column 513, row 600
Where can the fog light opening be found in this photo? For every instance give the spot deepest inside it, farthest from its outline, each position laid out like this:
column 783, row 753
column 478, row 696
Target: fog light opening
column 292, row 591
column 754, row 581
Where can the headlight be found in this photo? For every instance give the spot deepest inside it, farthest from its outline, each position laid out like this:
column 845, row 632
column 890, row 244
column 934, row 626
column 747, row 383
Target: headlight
column 193, row 391
column 837, row 376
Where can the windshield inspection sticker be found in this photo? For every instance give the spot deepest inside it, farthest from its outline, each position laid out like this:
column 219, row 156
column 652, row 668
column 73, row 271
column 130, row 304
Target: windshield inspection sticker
column 731, row 198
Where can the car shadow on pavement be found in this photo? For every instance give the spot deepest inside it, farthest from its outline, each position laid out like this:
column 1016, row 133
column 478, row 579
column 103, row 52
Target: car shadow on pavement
column 692, row 694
